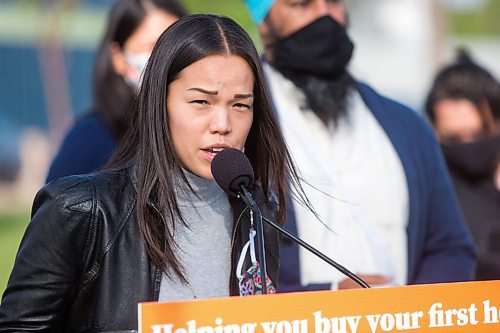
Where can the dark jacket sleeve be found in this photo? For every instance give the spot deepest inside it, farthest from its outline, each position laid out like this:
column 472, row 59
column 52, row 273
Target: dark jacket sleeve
column 86, row 148
column 448, row 252
column 440, row 247
column 48, row 263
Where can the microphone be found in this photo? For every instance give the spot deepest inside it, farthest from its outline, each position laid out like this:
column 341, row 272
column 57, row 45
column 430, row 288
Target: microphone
column 233, row 172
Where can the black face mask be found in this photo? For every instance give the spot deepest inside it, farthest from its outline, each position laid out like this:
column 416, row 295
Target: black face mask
column 473, row 160
column 321, row 49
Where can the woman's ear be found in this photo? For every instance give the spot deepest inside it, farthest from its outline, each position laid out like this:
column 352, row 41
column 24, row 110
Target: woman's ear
column 118, row 60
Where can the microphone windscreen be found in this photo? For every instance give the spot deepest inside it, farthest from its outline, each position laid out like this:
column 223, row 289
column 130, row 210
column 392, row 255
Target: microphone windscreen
column 231, row 169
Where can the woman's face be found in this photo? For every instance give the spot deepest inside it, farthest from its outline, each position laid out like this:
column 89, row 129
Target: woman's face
column 143, row 39
column 210, row 107
column 130, row 60
column 457, row 120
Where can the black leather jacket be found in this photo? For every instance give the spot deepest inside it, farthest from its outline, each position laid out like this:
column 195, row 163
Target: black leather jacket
column 82, row 265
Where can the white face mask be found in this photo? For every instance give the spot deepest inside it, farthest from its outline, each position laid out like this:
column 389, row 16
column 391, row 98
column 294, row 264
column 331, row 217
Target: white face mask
column 138, row 62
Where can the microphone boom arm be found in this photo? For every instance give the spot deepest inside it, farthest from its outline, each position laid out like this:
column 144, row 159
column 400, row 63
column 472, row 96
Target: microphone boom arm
column 233, row 172
column 317, row 253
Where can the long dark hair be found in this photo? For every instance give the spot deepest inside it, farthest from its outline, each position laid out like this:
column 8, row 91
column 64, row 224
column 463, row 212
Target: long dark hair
column 148, row 146
column 112, row 97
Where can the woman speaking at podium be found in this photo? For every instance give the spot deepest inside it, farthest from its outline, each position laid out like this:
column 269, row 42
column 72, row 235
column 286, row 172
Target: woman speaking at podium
column 154, row 225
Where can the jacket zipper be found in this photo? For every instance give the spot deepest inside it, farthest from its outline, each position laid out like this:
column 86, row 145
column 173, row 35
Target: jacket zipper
column 233, row 239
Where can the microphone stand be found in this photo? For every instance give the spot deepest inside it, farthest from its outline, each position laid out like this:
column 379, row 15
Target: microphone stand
column 250, row 202
column 320, row 255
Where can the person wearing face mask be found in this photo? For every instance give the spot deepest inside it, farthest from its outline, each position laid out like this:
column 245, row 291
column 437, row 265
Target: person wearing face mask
column 132, row 30
column 371, row 167
column 464, row 107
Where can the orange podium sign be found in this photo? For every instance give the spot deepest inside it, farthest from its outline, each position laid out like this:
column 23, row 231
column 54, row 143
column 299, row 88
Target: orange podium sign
column 437, row 308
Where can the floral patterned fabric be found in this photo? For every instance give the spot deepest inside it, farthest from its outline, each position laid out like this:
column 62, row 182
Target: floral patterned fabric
column 250, row 283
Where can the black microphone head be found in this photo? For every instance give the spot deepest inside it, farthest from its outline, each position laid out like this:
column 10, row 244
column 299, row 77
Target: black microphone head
column 231, row 169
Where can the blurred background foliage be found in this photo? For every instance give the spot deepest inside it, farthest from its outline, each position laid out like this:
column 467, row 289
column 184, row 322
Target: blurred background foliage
column 35, row 32
column 481, row 20
column 86, row 18
column 12, row 226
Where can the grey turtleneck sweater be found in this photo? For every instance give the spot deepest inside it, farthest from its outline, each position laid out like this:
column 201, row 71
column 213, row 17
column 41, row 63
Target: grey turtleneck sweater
column 204, row 246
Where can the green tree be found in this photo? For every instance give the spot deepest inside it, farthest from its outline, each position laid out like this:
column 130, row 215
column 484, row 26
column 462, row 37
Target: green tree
column 484, row 21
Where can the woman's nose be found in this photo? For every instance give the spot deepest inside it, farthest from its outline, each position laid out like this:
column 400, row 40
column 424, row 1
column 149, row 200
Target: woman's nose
column 220, row 122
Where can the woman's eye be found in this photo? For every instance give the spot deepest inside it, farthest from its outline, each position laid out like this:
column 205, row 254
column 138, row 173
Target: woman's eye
column 199, row 101
column 241, row 106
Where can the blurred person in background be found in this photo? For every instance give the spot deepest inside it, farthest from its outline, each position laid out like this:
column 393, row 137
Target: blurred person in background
column 10, row 160
column 372, row 168
column 154, row 225
column 464, row 107
column 132, row 30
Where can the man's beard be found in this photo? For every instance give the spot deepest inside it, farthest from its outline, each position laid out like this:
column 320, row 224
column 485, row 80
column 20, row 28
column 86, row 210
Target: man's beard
column 327, row 98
